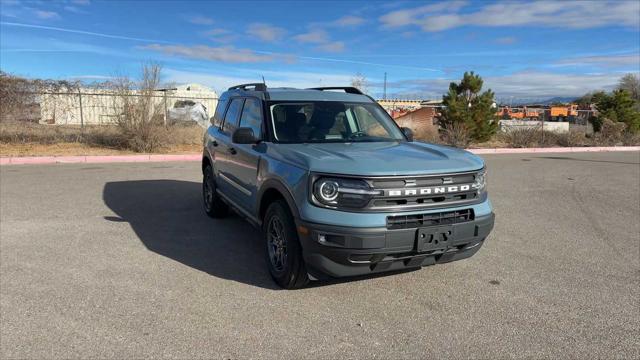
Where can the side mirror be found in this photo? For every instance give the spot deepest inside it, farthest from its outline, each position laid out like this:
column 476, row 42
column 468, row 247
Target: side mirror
column 244, row 135
column 408, row 133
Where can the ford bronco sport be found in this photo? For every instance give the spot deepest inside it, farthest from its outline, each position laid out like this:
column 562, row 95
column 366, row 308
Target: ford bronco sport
column 336, row 186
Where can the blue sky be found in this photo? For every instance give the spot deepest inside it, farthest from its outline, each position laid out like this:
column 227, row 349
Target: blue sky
column 523, row 50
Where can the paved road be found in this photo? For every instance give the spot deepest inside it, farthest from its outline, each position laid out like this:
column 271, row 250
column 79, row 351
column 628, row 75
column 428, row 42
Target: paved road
column 119, row 261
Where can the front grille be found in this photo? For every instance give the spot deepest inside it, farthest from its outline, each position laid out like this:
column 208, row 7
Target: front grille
column 433, row 219
column 399, row 182
column 421, row 192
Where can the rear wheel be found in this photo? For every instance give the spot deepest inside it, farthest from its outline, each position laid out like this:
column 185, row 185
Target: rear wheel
column 284, row 253
column 213, row 205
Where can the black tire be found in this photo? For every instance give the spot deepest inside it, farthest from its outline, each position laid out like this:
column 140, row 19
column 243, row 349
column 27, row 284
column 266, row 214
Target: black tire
column 284, row 254
column 213, row 205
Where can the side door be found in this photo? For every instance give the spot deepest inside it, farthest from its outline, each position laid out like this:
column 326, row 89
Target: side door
column 224, row 149
column 244, row 159
column 211, row 140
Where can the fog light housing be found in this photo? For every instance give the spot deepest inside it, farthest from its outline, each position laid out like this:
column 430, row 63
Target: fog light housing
column 322, row 238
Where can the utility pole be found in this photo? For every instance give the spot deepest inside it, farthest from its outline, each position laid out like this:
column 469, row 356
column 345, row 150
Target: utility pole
column 81, row 115
column 384, row 94
column 166, row 108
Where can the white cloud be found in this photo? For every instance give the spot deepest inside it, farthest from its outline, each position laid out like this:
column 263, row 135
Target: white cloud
column 220, row 35
column 526, row 84
column 75, row 9
column 43, row 14
column 412, row 16
column 266, row 32
column 336, row 46
column 506, row 40
column 321, row 38
column 216, row 32
column 317, row 36
column 200, row 20
column 296, row 79
column 348, row 20
column 562, row 14
column 223, row 54
column 602, row 61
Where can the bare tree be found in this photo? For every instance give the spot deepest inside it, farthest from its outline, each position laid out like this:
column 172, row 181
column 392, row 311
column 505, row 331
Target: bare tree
column 360, row 82
column 631, row 83
column 139, row 110
column 21, row 98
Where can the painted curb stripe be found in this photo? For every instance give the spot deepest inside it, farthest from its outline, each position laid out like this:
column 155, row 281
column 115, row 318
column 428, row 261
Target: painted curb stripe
column 197, row 157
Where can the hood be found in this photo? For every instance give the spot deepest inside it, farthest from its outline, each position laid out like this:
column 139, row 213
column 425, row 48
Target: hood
column 377, row 158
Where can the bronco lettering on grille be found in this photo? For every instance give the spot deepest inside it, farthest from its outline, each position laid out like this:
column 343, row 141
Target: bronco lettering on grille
column 428, row 191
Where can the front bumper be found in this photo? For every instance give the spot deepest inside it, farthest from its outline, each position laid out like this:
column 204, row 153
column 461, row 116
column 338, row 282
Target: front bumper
column 349, row 251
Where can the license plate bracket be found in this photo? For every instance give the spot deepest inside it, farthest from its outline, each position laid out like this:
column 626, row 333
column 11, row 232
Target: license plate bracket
column 434, row 238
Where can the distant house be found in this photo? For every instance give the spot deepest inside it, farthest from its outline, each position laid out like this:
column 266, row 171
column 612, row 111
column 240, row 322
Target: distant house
column 419, row 120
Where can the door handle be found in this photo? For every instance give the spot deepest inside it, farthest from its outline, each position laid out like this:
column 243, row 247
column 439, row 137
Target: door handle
column 232, row 151
column 214, row 143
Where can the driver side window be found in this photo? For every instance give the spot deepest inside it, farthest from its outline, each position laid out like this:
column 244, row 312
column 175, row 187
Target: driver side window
column 231, row 117
column 252, row 116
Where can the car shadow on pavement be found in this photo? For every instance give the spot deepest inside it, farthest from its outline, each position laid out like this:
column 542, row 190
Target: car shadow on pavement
column 168, row 218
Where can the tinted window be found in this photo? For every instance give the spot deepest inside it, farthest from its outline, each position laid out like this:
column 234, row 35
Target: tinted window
column 231, row 117
column 327, row 121
column 367, row 122
column 217, row 117
column 252, row 116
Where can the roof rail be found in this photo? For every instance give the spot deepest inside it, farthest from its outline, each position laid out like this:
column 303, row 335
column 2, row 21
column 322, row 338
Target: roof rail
column 255, row 86
column 347, row 89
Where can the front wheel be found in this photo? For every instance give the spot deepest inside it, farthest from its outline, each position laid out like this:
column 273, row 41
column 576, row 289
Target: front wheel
column 284, row 253
column 213, row 205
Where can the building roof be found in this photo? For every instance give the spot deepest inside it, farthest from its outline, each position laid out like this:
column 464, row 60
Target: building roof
column 424, row 114
column 194, row 87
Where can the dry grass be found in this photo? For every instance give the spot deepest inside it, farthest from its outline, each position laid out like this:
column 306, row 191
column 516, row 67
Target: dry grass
column 522, row 138
column 426, row 134
column 22, row 138
column 78, row 149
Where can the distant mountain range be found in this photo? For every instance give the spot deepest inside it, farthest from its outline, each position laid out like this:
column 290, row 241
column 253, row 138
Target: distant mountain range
column 537, row 101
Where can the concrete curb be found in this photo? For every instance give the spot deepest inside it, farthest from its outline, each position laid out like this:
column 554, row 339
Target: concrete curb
column 97, row 159
column 554, row 150
column 197, row 157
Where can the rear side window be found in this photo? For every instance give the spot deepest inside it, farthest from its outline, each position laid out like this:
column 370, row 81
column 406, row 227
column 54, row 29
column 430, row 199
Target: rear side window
column 217, row 117
column 252, row 116
column 231, row 117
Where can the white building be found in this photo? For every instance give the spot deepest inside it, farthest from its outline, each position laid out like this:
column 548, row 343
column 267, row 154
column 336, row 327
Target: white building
column 98, row 106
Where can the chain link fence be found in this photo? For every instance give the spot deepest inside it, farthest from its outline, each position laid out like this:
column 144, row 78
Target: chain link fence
column 99, row 107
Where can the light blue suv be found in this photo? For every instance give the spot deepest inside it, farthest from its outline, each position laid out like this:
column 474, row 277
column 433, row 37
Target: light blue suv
column 337, row 188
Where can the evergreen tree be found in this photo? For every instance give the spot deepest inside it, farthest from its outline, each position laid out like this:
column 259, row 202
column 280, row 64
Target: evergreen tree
column 466, row 106
column 618, row 106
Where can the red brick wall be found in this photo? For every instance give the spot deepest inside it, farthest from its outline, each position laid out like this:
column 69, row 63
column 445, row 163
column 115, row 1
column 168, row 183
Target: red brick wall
column 418, row 119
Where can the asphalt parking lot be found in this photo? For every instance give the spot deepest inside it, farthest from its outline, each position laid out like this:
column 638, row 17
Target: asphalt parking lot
column 119, row 261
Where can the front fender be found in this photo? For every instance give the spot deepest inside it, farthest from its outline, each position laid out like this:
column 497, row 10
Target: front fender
column 282, row 189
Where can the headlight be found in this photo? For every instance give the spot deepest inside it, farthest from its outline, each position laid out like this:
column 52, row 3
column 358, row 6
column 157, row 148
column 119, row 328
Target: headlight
column 328, row 191
column 480, row 181
column 341, row 193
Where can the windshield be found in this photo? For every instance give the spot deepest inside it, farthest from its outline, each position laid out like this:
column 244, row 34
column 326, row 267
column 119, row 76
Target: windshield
column 329, row 121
